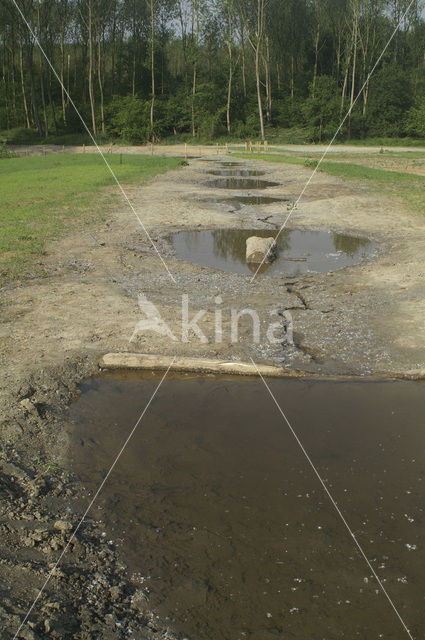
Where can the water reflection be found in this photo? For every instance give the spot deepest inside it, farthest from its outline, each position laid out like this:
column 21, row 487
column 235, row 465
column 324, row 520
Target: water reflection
column 240, row 183
column 244, row 173
column 298, row 251
column 237, row 202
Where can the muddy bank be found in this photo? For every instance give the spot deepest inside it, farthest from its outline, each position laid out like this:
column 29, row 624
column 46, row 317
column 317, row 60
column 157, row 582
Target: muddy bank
column 359, row 320
column 89, row 595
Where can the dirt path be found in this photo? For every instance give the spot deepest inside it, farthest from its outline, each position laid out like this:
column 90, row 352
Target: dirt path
column 367, row 319
column 364, row 319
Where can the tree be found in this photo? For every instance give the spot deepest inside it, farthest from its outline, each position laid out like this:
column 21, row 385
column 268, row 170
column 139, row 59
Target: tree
column 321, row 109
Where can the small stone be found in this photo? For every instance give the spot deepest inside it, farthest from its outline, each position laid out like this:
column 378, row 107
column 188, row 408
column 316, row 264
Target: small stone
column 62, row 526
column 139, row 601
column 115, row 593
column 29, row 406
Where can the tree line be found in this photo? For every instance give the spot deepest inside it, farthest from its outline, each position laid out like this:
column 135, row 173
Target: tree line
column 153, row 69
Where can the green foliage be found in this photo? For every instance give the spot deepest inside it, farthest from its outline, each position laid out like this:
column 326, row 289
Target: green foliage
column 5, row 152
column 128, row 117
column 303, row 41
column 322, row 107
column 414, row 123
column 390, row 99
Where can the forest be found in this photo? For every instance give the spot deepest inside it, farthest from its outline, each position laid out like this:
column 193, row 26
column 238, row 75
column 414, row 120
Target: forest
column 164, row 70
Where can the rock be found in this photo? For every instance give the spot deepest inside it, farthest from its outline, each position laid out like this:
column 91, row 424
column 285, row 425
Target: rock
column 62, row 526
column 115, row 593
column 139, row 601
column 29, row 407
column 260, row 249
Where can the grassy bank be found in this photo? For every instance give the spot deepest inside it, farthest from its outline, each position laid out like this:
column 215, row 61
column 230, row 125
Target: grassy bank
column 408, row 186
column 41, row 197
column 293, row 135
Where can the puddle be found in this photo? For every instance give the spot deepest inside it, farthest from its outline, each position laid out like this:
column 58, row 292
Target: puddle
column 299, row 251
column 245, row 173
column 224, row 163
column 237, row 202
column 241, row 183
column 217, row 508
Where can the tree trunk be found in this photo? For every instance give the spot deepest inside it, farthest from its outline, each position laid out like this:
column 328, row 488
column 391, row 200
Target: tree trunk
column 152, row 8
column 100, row 82
column 243, row 62
column 24, row 97
column 353, row 74
column 52, row 106
column 91, row 92
column 113, row 36
column 195, row 17
column 193, row 100
column 62, row 75
column 316, row 57
column 229, row 84
column 32, row 86
column 43, row 97
column 268, row 82
column 43, row 100
column 292, row 78
column 260, row 104
column 257, row 48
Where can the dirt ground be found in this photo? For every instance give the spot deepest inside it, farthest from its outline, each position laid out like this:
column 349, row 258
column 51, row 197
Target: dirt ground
column 362, row 320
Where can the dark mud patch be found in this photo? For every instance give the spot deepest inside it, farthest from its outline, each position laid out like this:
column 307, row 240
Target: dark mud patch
column 298, row 251
column 237, row 202
column 240, row 184
column 242, row 173
column 224, row 521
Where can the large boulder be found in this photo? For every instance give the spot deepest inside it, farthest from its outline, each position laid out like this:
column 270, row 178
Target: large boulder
column 260, row 250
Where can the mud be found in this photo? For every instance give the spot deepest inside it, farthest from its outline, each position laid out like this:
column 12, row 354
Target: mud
column 237, row 202
column 243, row 542
column 361, row 320
column 243, row 173
column 241, row 184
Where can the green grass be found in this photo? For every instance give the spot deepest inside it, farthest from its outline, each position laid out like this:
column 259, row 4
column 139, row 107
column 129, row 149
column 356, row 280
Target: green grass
column 22, row 136
column 407, row 186
column 275, row 136
column 42, row 197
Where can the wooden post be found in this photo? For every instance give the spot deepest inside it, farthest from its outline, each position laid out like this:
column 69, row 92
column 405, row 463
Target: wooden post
column 185, row 150
column 63, row 148
column 250, row 146
column 227, row 148
column 217, row 149
column 266, row 146
column 84, row 148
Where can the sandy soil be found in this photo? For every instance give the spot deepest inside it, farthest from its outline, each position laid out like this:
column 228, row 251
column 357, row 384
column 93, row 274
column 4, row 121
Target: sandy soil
column 367, row 319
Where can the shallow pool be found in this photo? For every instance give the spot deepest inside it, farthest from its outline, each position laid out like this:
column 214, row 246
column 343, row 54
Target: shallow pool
column 299, row 251
column 217, row 509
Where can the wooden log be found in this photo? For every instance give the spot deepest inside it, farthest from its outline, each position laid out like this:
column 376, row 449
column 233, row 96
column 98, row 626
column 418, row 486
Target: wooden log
column 151, row 362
